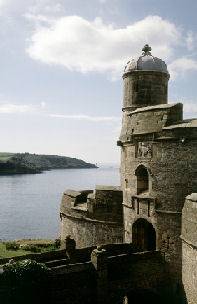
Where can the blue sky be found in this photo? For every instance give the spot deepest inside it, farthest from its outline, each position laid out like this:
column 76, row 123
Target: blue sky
column 61, row 67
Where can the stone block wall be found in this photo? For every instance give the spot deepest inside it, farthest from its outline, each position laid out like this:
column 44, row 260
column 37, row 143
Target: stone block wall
column 189, row 248
column 150, row 119
column 142, row 88
column 156, row 138
column 172, row 172
column 92, row 218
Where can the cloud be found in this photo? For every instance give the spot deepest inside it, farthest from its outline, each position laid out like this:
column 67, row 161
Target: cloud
column 10, row 108
column 182, row 65
column 13, row 108
column 40, row 109
column 85, row 46
column 3, row 2
column 87, row 117
column 190, row 40
column 45, row 6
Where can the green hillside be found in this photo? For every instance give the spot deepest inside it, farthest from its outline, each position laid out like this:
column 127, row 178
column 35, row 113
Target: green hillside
column 20, row 163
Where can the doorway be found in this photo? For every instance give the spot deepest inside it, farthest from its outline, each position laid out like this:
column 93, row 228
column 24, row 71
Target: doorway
column 143, row 235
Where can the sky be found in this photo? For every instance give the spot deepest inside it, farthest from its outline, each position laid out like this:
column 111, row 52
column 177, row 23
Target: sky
column 61, row 65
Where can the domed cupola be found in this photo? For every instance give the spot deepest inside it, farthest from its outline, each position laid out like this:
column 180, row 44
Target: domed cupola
column 145, row 81
column 146, row 62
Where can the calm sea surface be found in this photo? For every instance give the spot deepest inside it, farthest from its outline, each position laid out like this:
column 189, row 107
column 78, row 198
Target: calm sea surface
column 29, row 204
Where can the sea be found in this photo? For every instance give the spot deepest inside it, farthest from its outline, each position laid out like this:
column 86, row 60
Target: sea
column 29, row 203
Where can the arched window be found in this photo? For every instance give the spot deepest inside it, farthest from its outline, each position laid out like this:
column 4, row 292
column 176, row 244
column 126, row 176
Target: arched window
column 142, row 179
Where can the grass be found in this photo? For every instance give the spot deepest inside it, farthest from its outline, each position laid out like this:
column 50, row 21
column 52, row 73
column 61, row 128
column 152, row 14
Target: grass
column 4, row 156
column 42, row 245
column 10, row 253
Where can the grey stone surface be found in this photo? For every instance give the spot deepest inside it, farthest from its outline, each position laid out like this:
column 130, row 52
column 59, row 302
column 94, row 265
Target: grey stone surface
column 189, row 248
column 192, row 197
column 146, row 62
column 93, row 218
column 155, row 136
column 155, row 209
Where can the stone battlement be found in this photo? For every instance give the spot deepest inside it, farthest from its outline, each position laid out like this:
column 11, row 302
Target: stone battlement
column 103, row 204
column 92, row 217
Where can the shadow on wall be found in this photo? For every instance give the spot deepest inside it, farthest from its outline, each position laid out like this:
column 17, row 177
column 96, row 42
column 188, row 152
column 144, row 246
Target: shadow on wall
column 151, row 296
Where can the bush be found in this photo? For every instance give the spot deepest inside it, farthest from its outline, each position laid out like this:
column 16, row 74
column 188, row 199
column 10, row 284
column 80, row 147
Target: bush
column 57, row 243
column 24, row 282
column 32, row 248
column 12, row 246
column 24, row 272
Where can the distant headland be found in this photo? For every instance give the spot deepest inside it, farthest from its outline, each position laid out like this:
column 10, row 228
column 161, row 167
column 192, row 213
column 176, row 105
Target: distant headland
column 26, row 163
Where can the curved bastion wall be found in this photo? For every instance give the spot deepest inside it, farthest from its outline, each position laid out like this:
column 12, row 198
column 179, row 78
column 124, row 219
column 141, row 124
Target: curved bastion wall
column 92, row 217
column 142, row 87
column 189, row 248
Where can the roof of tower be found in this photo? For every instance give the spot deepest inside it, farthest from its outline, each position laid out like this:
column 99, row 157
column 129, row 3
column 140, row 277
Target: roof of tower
column 146, row 62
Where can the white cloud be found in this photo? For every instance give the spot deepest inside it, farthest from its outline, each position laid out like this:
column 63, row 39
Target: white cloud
column 45, row 6
column 87, row 117
column 13, row 108
column 182, row 65
column 40, row 109
column 10, row 108
column 3, row 2
column 190, row 40
column 84, row 46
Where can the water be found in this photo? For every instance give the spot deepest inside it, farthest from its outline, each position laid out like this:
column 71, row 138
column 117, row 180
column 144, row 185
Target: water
column 29, row 204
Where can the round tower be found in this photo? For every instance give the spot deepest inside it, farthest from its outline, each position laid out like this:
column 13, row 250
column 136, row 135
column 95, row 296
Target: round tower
column 145, row 81
column 158, row 160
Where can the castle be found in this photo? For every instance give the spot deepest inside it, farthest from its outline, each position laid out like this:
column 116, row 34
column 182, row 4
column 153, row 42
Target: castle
column 155, row 209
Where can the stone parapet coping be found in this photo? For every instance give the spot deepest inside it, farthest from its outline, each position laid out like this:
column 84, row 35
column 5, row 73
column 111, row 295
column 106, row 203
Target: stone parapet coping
column 108, row 188
column 192, row 197
column 194, row 246
column 153, row 108
column 87, row 219
column 168, row 211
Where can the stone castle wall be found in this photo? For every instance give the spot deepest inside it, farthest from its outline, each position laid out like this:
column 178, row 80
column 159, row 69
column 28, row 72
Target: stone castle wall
column 142, row 88
column 150, row 120
column 189, row 248
column 155, row 138
column 92, row 218
column 171, row 178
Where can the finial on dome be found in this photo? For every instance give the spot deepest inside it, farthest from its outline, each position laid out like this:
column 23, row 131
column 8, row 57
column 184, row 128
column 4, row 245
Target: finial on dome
column 146, row 49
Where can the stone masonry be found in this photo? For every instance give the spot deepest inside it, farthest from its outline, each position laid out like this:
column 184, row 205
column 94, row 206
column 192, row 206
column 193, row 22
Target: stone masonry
column 92, row 218
column 154, row 210
column 158, row 161
column 189, row 248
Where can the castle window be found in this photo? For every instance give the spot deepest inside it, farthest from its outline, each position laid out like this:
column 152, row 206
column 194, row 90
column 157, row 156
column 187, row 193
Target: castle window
column 138, row 207
column 142, row 179
column 148, row 208
column 126, row 182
